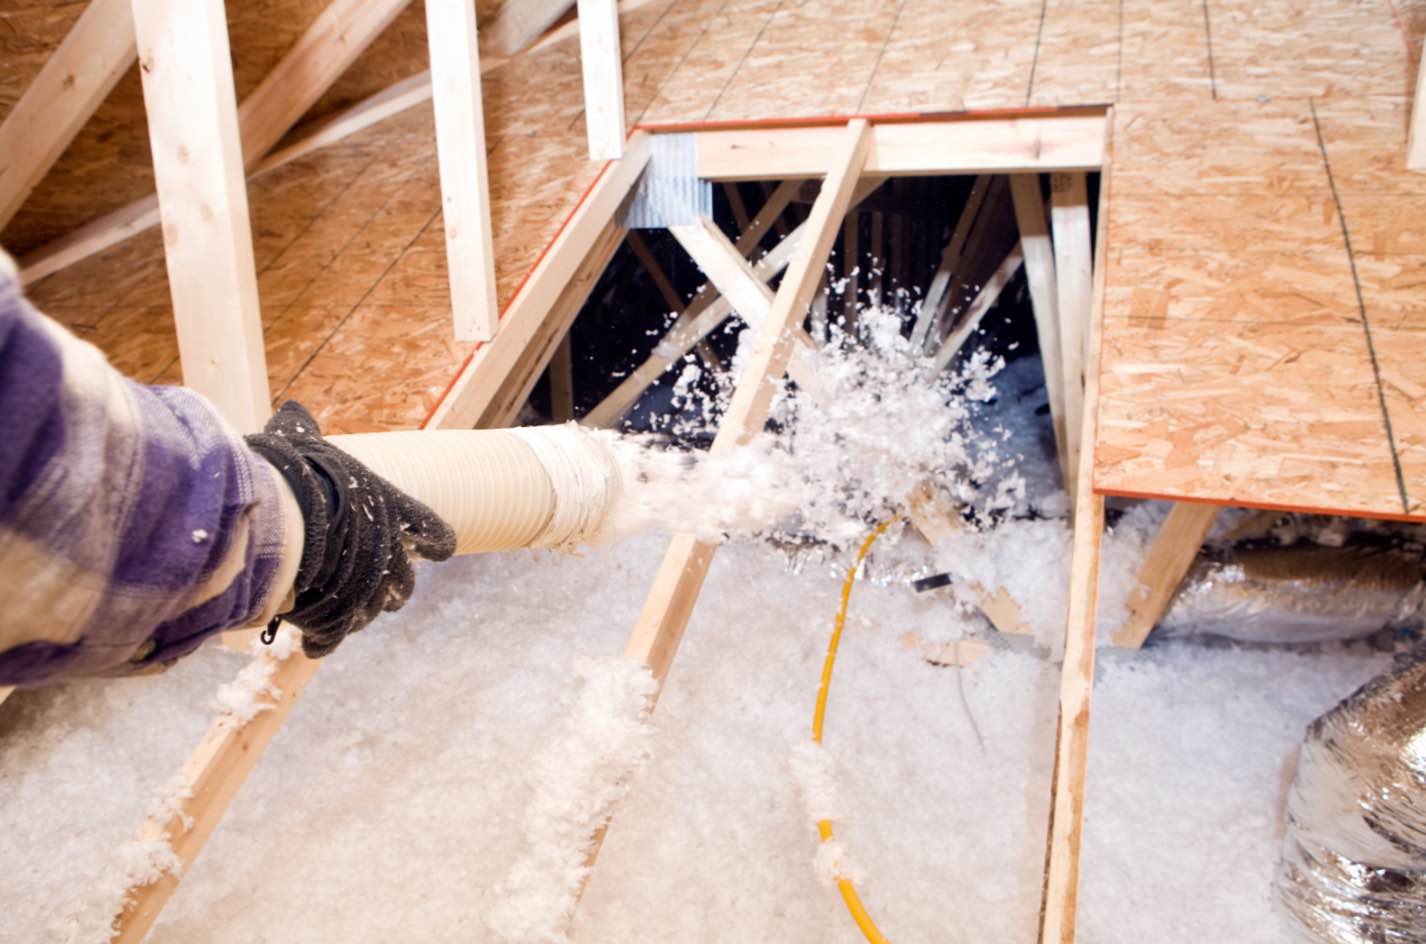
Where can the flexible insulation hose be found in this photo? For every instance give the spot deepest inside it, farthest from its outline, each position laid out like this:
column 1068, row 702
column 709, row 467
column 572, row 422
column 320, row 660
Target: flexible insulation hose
column 824, row 827
column 500, row 489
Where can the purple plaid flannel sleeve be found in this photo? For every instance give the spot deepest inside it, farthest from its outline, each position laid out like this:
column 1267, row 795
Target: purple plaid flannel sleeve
column 134, row 521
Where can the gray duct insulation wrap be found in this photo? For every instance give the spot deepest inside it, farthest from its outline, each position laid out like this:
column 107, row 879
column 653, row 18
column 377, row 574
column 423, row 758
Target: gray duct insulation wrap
column 1295, row 595
column 501, row 489
column 1353, row 868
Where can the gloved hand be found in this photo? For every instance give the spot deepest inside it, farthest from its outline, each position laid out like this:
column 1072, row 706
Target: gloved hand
column 359, row 530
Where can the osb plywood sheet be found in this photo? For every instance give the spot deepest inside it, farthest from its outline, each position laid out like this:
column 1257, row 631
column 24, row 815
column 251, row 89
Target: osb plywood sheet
column 1308, row 48
column 820, row 70
column 1403, row 383
column 1259, row 414
column 951, row 56
column 1253, row 249
column 1080, row 56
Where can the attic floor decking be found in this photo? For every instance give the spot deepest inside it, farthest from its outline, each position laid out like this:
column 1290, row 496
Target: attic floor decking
column 1265, row 315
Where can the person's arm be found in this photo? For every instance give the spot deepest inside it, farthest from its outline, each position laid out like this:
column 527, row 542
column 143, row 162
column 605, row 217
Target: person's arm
column 134, row 522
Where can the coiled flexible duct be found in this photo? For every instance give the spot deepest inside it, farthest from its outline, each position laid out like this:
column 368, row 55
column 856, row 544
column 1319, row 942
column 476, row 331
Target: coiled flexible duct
column 500, row 489
column 1353, row 868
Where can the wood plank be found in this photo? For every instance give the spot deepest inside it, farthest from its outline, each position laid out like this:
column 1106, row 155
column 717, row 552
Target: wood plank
column 851, row 270
column 744, row 288
column 984, row 300
column 1069, row 220
column 213, row 773
column 115, row 227
column 561, row 372
column 202, row 193
column 952, row 257
column 520, row 22
column 1172, row 553
column 1059, row 908
column 680, row 576
column 963, row 146
column 512, row 392
column 465, row 184
column 340, row 33
column 1040, row 275
column 695, row 323
column 703, row 314
column 1416, row 142
column 602, row 66
column 76, row 78
column 491, row 364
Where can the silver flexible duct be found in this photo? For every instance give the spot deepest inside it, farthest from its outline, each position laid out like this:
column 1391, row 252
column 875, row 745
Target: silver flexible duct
column 1353, row 868
column 1298, row 594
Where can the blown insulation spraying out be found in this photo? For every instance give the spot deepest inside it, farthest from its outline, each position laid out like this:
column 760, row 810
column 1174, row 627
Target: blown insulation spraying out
column 1353, row 867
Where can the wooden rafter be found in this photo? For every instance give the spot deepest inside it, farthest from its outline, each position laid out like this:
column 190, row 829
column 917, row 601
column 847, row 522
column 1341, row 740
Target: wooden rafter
column 1416, row 141
column 603, row 72
column 660, row 626
column 520, row 22
column 135, row 217
column 193, row 129
column 984, row 300
column 666, row 290
column 1170, row 555
column 1040, row 275
column 78, row 76
column 343, row 30
column 701, row 316
column 488, row 371
column 1061, row 888
column 460, row 150
column 743, row 287
column 1009, row 145
column 326, row 49
column 1069, row 221
column 952, row 257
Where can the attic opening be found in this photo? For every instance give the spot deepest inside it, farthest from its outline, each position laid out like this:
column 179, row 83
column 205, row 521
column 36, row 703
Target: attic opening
column 651, row 351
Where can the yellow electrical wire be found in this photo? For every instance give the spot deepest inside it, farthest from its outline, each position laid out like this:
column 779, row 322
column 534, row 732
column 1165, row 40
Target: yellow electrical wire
column 824, row 827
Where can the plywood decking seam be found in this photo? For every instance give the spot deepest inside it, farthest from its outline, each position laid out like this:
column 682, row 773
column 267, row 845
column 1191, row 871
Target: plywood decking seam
column 1362, row 307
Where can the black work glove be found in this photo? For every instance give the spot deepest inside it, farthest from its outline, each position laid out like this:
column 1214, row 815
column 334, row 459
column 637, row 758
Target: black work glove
column 359, row 530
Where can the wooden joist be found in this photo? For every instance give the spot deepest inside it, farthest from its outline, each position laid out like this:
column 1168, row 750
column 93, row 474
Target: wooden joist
column 602, row 67
column 212, row 776
column 486, row 375
column 81, row 72
column 701, row 316
column 743, row 287
column 961, row 146
column 520, row 22
column 340, row 33
column 561, row 373
column 1069, row 221
column 697, row 321
column 984, row 300
column 670, row 602
column 1416, row 141
column 952, row 258
column 1040, row 275
column 202, row 192
column 460, row 149
column 1171, row 554
column 1059, row 908
column 115, row 227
